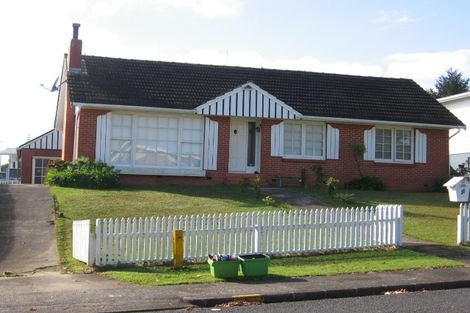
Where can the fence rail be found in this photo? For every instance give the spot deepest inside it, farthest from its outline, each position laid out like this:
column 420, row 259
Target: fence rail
column 135, row 240
column 463, row 224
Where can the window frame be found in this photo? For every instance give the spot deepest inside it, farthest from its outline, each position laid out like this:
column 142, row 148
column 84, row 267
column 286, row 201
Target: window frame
column 394, row 147
column 141, row 169
column 302, row 154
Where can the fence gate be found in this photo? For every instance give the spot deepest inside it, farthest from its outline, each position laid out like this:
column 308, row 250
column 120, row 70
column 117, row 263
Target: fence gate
column 463, row 224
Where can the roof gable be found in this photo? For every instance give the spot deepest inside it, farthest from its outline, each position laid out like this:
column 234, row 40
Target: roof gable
column 248, row 100
column 52, row 140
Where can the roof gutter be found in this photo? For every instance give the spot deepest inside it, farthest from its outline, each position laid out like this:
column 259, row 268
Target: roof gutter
column 375, row 122
column 110, row 107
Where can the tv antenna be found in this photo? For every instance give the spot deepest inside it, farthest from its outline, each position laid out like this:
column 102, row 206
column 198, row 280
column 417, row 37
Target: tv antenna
column 54, row 87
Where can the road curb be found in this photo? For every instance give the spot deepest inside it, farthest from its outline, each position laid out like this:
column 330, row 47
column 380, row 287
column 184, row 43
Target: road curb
column 326, row 294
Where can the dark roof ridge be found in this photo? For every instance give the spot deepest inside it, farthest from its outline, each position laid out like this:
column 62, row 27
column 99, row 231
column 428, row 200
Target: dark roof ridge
column 253, row 68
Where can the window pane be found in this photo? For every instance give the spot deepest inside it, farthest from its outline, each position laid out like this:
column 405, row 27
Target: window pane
column 314, row 140
column 383, row 144
column 403, row 145
column 292, row 139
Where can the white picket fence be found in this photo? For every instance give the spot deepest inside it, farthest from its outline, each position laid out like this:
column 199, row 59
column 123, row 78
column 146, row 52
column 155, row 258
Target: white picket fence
column 136, row 240
column 463, row 224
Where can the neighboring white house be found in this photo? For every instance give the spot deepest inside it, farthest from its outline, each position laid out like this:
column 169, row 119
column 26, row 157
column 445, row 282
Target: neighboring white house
column 10, row 174
column 459, row 144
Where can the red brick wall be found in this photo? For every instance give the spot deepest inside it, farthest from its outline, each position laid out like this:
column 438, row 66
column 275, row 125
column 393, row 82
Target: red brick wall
column 86, row 132
column 27, row 161
column 405, row 177
column 399, row 177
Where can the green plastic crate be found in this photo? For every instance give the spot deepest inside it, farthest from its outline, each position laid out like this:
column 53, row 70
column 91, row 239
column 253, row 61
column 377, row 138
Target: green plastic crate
column 254, row 264
column 224, row 269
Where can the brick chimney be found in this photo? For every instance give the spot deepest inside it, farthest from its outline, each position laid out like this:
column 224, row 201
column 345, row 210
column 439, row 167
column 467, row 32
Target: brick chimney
column 75, row 53
column 74, row 67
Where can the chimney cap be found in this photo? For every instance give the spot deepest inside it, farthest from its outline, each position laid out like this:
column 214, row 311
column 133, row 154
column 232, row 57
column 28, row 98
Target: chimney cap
column 75, row 26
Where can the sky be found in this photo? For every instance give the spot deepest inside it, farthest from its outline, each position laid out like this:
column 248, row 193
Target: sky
column 408, row 39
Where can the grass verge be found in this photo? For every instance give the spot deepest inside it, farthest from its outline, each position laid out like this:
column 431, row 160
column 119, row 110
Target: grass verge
column 319, row 265
column 429, row 216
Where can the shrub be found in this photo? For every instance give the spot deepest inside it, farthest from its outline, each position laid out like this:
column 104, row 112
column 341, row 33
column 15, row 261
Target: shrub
column 303, row 178
column 268, row 201
column 331, row 183
column 245, row 183
column 367, row 183
column 257, row 186
column 82, row 173
column 319, row 175
column 438, row 184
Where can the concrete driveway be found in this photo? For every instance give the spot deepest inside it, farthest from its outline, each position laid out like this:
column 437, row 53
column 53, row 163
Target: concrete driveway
column 27, row 235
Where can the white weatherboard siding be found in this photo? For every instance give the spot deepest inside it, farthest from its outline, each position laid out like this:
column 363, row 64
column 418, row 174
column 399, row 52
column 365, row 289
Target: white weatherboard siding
column 52, row 140
column 459, row 145
column 248, row 100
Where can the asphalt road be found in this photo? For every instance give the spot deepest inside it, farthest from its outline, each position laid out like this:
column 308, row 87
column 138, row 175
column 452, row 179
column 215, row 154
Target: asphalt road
column 27, row 236
column 448, row 301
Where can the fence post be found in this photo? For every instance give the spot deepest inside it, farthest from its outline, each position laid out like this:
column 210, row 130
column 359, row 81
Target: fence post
column 400, row 225
column 460, row 225
column 91, row 250
column 178, row 248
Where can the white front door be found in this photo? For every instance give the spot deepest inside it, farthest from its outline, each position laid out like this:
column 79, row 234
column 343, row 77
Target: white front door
column 244, row 155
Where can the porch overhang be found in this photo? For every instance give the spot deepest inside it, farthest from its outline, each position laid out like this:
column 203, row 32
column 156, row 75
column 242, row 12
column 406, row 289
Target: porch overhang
column 248, row 100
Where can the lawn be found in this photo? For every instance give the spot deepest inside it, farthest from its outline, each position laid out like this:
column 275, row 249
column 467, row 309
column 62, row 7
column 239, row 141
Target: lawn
column 429, row 216
column 338, row 263
column 77, row 204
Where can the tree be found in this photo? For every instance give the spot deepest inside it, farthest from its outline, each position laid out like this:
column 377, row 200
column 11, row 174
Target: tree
column 451, row 83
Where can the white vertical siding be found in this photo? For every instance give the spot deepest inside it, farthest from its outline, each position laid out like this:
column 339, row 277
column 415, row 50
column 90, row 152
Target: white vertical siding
column 332, row 143
column 211, row 135
column 52, row 140
column 369, row 143
column 420, row 147
column 248, row 100
column 277, row 134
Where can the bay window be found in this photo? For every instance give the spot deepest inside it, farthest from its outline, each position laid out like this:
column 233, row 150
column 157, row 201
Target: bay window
column 156, row 141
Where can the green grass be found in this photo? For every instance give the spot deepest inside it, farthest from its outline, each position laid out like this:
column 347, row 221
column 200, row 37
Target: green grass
column 339, row 263
column 429, row 216
column 78, row 204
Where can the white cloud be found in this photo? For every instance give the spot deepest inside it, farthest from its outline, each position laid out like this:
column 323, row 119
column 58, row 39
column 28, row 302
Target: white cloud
column 425, row 67
column 391, row 18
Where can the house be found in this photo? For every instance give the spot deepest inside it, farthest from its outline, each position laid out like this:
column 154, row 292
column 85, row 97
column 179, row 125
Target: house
column 165, row 122
column 459, row 143
column 35, row 155
column 9, row 172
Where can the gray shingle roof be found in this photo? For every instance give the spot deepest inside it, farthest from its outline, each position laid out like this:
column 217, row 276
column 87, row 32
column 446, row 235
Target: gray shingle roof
column 185, row 86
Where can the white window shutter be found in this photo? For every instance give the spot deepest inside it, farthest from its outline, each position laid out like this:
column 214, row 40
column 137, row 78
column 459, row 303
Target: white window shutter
column 101, row 132
column 277, row 135
column 369, row 143
column 211, row 138
column 420, row 147
column 332, row 143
